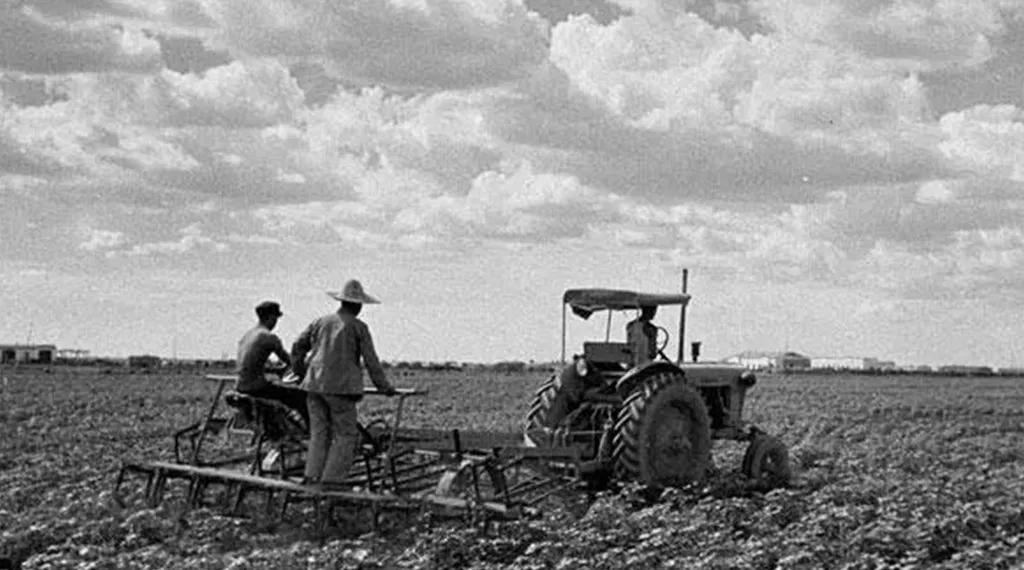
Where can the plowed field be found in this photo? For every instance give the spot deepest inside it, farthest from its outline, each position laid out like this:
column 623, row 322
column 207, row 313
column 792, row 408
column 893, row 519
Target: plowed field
column 893, row 472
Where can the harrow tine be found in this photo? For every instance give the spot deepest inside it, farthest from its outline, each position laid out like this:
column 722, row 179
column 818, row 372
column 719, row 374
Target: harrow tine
column 286, row 498
column 320, row 519
column 120, row 479
column 229, row 492
column 148, row 494
column 238, row 499
column 269, row 505
column 193, row 492
column 157, row 492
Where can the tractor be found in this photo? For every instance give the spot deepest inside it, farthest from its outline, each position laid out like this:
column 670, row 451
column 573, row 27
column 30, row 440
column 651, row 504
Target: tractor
column 630, row 413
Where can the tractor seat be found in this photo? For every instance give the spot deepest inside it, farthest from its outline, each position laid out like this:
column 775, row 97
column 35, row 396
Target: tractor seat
column 267, row 417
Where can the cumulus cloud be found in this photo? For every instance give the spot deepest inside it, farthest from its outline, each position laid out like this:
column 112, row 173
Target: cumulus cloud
column 126, row 127
column 516, row 204
column 785, row 141
column 757, row 244
column 976, row 264
column 934, row 192
column 99, row 240
column 61, row 140
column 429, row 43
column 32, row 42
column 251, row 94
column 192, row 238
column 674, row 107
column 440, row 139
column 908, row 34
column 986, row 140
column 44, row 141
column 512, row 204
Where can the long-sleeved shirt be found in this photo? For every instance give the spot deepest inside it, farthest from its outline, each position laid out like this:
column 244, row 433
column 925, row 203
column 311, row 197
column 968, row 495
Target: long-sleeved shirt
column 332, row 349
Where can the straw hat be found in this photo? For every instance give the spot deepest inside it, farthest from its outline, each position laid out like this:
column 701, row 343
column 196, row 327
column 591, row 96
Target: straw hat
column 353, row 293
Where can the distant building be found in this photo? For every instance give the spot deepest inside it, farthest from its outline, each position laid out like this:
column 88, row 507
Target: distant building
column 851, row 363
column 961, row 370
column 73, row 353
column 144, row 362
column 1009, row 371
column 27, row 353
column 883, row 365
column 839, row 363
column 782, row 361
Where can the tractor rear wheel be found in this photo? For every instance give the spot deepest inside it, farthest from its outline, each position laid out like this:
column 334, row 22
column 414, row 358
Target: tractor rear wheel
column 767, row 461
column 663, row 433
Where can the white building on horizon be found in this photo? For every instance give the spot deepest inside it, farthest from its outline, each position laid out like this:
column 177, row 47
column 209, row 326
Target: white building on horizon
column 757, row 360
column 851, row 363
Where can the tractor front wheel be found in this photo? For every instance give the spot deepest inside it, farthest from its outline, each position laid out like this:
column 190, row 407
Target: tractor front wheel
column 538, row 429
column 663, row 433
column 767, row 461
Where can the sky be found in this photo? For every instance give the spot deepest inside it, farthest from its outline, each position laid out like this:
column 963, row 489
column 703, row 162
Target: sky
column 840, row 177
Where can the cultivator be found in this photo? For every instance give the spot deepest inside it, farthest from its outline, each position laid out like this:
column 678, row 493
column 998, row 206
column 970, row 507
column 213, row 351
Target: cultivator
column 481, row 476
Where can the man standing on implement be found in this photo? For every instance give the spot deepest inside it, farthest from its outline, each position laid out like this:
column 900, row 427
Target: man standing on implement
column 327, row 355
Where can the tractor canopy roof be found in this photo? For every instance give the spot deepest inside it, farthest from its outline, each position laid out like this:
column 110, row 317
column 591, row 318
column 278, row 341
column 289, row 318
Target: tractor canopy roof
column 585, row 302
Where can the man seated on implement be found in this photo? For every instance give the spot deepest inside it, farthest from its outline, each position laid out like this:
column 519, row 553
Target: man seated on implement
column 254, row 349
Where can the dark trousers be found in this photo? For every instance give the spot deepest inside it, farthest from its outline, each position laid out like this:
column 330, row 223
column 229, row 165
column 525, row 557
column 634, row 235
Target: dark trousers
column 294, row 398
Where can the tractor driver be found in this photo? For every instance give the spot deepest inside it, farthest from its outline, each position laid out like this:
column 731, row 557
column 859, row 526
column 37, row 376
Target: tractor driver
column 254, row 349
column 642, row 336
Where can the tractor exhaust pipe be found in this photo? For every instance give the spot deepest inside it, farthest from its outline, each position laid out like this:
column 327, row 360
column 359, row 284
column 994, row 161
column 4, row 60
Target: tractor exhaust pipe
column 682, row 321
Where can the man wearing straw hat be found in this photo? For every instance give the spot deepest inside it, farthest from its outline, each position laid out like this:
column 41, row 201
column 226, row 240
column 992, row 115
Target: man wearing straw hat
column 327, row 356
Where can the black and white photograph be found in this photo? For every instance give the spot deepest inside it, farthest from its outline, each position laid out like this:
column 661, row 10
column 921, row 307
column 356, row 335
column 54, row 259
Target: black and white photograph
column 523, row 284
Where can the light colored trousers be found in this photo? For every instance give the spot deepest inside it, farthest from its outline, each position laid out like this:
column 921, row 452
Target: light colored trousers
column 333, row 437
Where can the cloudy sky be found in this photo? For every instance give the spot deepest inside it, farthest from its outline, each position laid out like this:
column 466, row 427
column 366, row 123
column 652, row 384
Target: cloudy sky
column 840, row 176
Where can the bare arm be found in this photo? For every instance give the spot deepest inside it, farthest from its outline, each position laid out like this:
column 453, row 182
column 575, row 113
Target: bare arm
column 281, row 353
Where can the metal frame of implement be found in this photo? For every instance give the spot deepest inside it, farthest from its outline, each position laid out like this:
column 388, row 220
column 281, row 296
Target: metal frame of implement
column 483, row 475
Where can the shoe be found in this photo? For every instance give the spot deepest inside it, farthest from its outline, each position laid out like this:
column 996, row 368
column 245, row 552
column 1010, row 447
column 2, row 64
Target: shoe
column 270, row 460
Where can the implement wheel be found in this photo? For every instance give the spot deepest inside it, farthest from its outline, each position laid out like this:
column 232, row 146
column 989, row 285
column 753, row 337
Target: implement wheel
column 663, row 433
column 767, row 461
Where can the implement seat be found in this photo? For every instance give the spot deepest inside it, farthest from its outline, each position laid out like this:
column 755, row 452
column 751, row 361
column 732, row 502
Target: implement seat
column 273, row 424
column 270, row 420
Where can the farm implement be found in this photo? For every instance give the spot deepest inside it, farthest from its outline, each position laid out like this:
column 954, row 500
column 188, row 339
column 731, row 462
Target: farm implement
column 480, row 476
column 617, row 412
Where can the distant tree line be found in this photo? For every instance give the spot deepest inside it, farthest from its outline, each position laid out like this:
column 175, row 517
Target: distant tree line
column 504, row 366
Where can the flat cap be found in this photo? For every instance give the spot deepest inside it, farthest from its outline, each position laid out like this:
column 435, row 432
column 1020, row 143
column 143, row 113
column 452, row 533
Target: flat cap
column 269, row 308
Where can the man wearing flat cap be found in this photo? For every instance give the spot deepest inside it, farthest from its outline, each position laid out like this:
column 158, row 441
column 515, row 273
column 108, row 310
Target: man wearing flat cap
column 329, row 355
column 254, row 349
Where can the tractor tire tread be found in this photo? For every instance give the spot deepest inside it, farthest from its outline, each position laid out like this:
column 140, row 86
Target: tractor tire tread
column 630, row 428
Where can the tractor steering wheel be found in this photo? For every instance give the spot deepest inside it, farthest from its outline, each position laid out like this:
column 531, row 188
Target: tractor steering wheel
column 664, row 341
